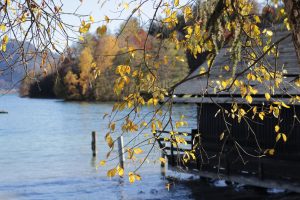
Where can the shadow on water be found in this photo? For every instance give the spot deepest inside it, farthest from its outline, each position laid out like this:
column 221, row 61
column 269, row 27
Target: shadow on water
column 207, row 189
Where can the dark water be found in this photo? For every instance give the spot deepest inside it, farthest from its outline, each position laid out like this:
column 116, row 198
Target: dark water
column 45, row 154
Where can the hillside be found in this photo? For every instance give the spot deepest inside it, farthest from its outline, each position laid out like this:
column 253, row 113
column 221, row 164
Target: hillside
column 13, row 67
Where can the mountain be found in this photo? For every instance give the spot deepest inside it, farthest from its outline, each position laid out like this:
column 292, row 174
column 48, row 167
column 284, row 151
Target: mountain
column 14, row 66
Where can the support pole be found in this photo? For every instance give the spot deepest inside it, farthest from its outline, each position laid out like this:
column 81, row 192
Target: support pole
column 172, row 155
column 163, row 155
column 163, row 164
column 260, row 169
column 94, row 143
column 121, row 151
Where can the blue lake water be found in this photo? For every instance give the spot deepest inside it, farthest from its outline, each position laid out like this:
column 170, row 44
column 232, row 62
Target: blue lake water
column 45, row 153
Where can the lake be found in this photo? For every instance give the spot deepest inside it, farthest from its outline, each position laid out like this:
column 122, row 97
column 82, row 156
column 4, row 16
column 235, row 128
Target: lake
column 45, row 154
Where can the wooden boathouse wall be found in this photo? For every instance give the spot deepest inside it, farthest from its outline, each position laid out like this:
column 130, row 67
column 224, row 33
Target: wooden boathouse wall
column 241, row 155
column 246, row 163
column 212, row 126
column 284, row 164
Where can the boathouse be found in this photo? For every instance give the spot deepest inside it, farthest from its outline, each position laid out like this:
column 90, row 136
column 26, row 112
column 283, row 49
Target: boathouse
column 245, row 151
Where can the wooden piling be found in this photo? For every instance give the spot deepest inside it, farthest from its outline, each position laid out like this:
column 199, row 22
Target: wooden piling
column 172, row 155
column 121, row 151
column 162, row 163
column 260, row 169
column 163, row 155
column 94, row 143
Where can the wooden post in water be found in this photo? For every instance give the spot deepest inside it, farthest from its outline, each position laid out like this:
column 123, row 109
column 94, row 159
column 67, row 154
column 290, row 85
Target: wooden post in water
column 163, row 155
column 163, row 164
column 94, row 143
column 260, row 169
column 121, row 151
column 172, row 155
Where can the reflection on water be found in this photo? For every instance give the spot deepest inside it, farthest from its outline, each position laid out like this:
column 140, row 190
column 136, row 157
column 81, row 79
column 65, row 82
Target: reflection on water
column 45, row 153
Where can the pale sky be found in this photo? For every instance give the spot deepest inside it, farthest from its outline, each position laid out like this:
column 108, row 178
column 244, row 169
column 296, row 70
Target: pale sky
column 111, row 8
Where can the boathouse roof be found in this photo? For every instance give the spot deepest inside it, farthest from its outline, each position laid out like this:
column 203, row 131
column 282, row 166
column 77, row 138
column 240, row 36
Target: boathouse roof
column 202, row 89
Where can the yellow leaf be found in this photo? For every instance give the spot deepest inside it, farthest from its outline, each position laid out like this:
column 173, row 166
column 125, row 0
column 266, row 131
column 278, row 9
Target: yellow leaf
column 126, row 6
column 109, row 140
column 254, row 110
column 163, row 160
column 159, row 125
column 153, row 127
column 2, row 27
column 284, row 105
column 112, row 172
column 121, row 171
column 278, row 137
column 130, row 153
column 168, row 186
column 257, row 19
column 251, row 76
column 224, row 84
column 138, row 177
column 102, row 162
column 7, row 2
column 3, row 47
column 202, row 70
column 138, row 150
column 226, row 67
column 276, row 112
column 81, row 38
column 131, row 177
column 113, row 126
column 143, row 124
column 284, row 137
column 277, row 128
column 101, row 30
column 287, row 24
column 176, row 3
column 261, row 115
column 249, row 98
column 271, row 152
column 5, row 39
column 268, row 96
column 188, row 14
column 106, row 19
column 222, row 136
column 92, row 19
column 84, row 27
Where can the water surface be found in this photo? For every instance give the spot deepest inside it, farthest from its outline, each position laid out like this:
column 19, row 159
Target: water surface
column 45, row 153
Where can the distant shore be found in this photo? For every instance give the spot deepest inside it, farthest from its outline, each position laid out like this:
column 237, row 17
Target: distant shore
column 8, row 91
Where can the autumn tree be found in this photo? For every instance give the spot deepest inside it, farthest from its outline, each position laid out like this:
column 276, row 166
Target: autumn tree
column 292, row 9
column 206, row 27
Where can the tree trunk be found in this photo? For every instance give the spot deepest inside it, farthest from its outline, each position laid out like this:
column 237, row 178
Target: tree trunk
column 292, row 8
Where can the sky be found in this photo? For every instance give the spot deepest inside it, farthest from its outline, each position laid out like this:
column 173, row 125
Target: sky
column 101, row 8
column 111, row 8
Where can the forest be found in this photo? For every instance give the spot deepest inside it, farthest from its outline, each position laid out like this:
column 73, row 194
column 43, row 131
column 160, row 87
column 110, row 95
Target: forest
column 86, row 71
